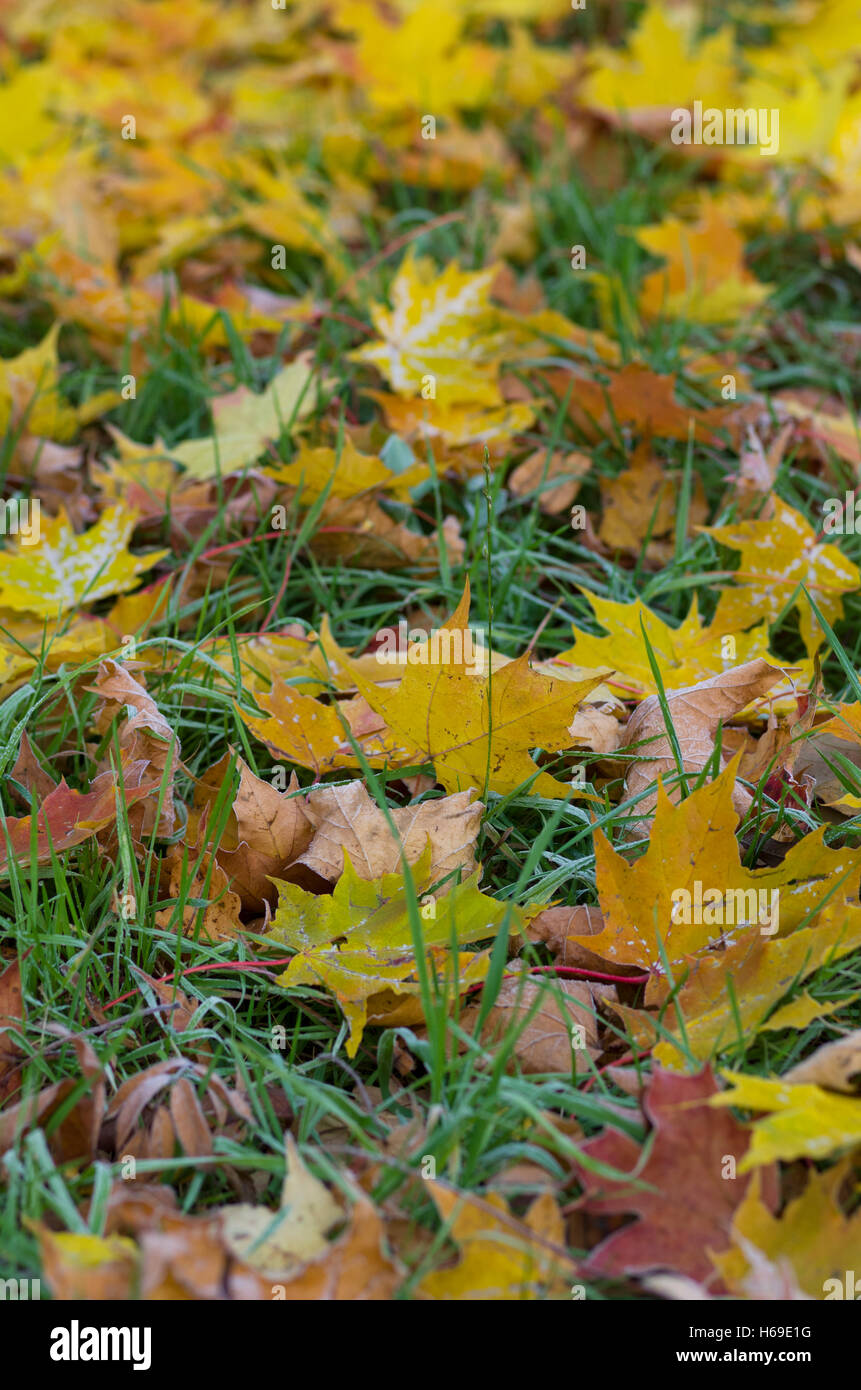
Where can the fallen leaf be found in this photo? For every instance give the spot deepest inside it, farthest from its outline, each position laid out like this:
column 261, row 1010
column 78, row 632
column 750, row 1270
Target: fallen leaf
column 728, row 994
column 555, row 478
column 345, row 473
column 500, row 1256
column 836, row 1066
column 63, row 570
column 245, row 422
column 198, row 881
column 441, row 328
column 144, row 736
column 680, row 1192
column 802, row 1011
column 30, row 773
column 656, row 917
column 776, row 556
column 474, row 730
column 540, row 1023
column 278, row 1244
column 265, row 832
column 12, row 1014
column 358, row 943
column 88, row 1267
column 348, row 822
column 812, row 1236
column 305, row 731
column 695, row 713
column 686, row 654
column 640, row 508
column 803, row 1121
column 67, row 817
column 74, row 1138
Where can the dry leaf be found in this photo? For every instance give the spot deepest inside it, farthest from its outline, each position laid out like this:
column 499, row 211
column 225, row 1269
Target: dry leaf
column 348, row 822
column 695, row 713
column 835, row 1065
column 200, row 877
column 265, row 832
column 144, row 736
column 552, row 1038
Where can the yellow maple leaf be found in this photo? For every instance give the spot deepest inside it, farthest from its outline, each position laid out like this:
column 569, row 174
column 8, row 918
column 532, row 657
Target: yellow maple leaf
column 422, row 63
column 690, row 888
column 358, row 943
column 147, row 465
column 30, row 394
column 705, row 278
column 477, row 726
column 346, row 473
column 64, row 570
column 440, row 335
column 686, row 654
column 245, row 422
column 824, row 33
column 812, row 1235
column 778, row 555
column 285, row 216
column 662, row 66
column 458, row 425
column 501, row 1257
column 24, row 643
column 312, row 734
column 803, row 1121
column 25, row 123
column 809, row 105
column 728, row 994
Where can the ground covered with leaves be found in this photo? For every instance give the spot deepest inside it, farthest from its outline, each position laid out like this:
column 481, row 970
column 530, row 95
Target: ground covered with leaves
column 429, row 636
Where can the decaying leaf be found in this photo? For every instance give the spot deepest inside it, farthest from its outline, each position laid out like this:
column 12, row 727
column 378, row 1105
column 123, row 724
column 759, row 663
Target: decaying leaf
column 555, row 479
column 209, row 905
column 266, row 829
column 280, row 1243
column 728, row 993
column 197, row 1104
column 312, row 734
column 74, row 1139
column 550, row 1027
column 144, row 736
